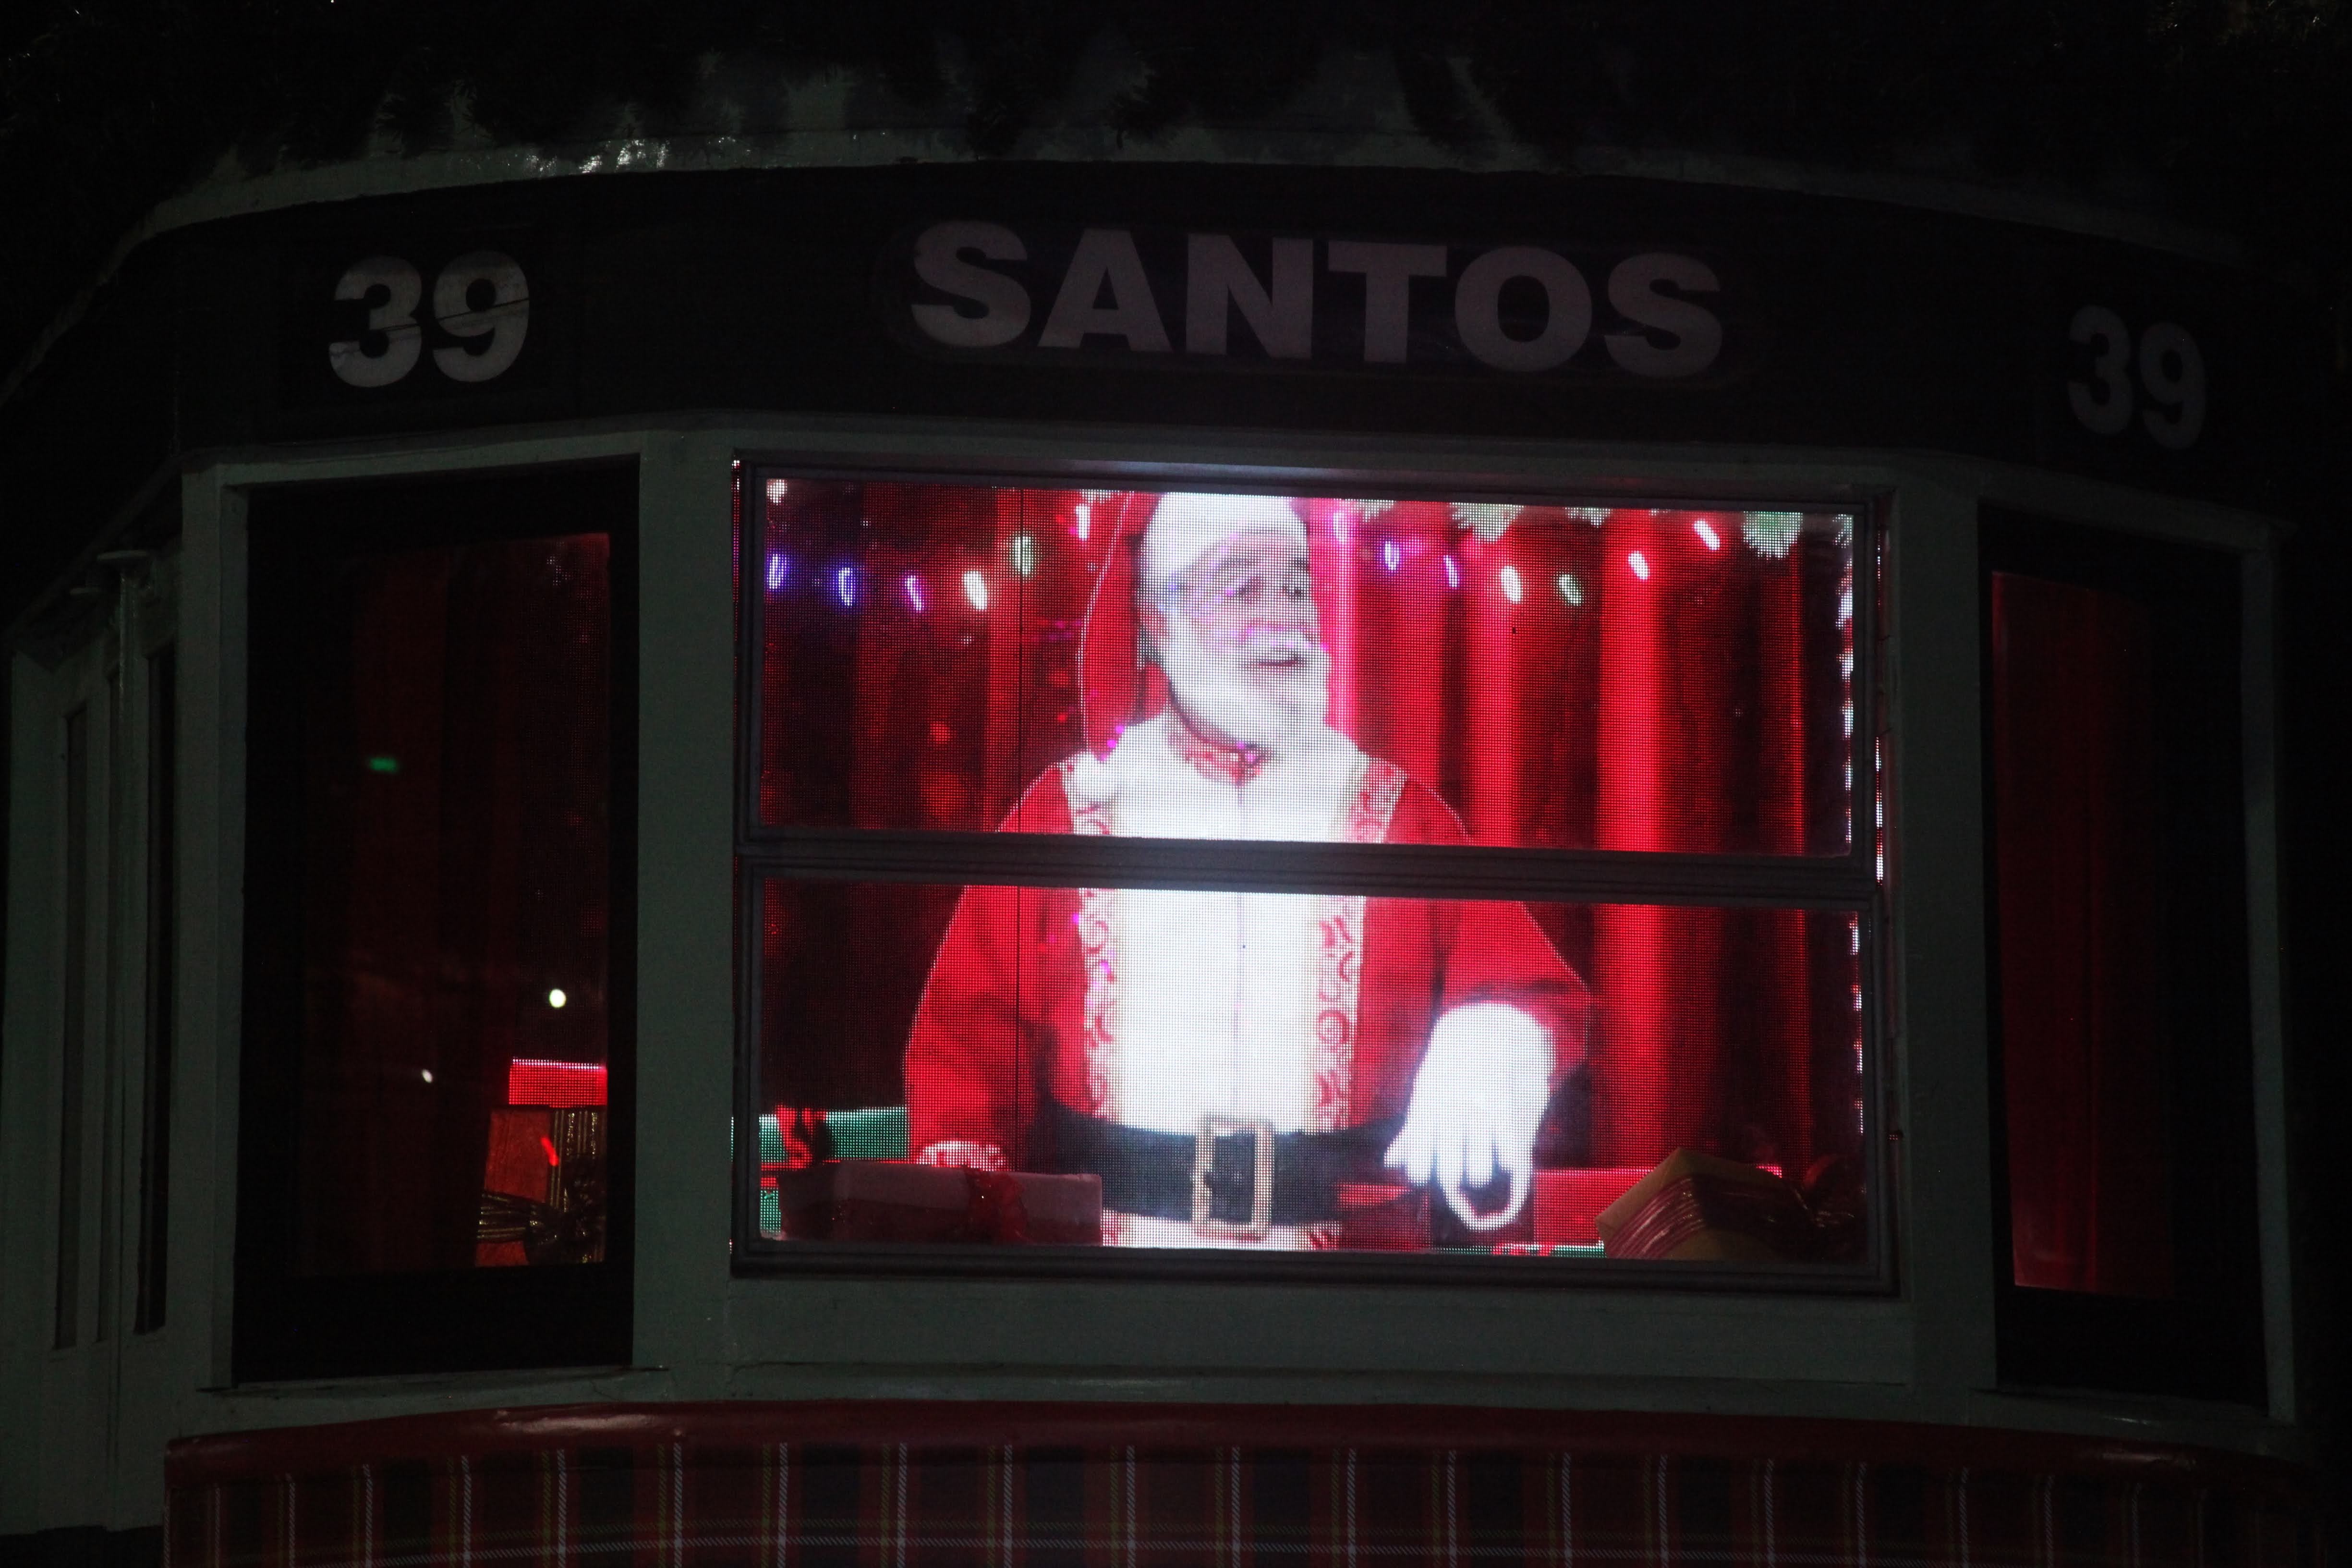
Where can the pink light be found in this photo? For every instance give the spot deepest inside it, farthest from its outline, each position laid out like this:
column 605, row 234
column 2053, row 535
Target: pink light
column 915, row 591
column 534, row 1082
column 1707, row 535
column 1640, row 564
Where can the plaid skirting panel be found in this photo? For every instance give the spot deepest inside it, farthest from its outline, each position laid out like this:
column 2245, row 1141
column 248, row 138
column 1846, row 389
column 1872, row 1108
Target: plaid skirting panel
column 650, row 1489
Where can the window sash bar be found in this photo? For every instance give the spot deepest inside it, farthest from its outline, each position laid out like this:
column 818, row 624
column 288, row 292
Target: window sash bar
column 1402, row 870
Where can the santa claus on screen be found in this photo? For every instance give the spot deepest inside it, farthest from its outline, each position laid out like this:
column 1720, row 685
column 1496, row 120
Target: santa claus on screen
column 1235, row 1066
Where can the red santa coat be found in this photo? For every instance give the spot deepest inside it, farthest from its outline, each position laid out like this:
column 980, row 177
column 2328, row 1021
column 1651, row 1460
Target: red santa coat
column 1153, row 1008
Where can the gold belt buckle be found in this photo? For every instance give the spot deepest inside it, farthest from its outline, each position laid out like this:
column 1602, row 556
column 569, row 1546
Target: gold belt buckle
column 1204, row 1160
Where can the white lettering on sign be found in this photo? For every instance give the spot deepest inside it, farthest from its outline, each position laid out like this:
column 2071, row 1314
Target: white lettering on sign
column 2171, row 373
column 1282, row 315
column 1389, row 271
column 503, row 319
column 1478, row 309
column 1105, row 259
column 1664, row 330
column 1695, row 334
column 393, row 315
column 1004, row 303
column 482, row 295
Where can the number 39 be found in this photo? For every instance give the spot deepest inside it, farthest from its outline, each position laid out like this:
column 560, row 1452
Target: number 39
column 391, row 288
column 2171, row 371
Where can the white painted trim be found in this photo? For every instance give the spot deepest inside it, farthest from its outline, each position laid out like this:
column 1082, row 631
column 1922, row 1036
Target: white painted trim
column 1923, row 1355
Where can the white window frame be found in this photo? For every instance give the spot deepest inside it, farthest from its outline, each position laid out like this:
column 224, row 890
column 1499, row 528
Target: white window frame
column 1924, row 1352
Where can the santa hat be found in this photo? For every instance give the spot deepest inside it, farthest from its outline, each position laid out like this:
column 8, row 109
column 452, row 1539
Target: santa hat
column 1116, row 689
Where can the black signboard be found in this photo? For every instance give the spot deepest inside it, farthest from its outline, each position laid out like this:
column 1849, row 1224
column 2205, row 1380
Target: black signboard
column 1437, row 304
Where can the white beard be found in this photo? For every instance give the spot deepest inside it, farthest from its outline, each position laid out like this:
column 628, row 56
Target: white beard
column 1278, row 711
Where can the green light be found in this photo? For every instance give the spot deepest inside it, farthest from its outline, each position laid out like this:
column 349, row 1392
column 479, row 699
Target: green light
column 384, row 764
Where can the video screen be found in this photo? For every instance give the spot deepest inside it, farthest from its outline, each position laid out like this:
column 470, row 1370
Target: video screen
column 1143, row 1067
column 1176, row 665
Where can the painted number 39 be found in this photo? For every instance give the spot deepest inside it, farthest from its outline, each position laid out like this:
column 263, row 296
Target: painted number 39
column 2171, row 373
column 479, row 295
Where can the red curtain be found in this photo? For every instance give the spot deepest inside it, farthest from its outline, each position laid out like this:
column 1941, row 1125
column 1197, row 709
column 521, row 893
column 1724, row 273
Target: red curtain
column 1628, row 679
column 2075, row 848
column 457, row 743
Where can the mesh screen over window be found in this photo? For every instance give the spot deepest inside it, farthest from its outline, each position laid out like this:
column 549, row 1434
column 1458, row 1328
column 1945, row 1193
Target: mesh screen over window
column 1350, row 1048
column 1574, row 677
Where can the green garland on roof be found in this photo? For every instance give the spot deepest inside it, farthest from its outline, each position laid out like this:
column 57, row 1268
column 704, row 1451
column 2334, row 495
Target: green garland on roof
column 2231, row 115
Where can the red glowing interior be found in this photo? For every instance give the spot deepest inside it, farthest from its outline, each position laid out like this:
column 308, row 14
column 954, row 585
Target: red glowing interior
column 937, row 657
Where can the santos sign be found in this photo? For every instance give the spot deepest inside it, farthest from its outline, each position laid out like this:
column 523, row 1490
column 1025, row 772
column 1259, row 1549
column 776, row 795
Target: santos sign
column 1524, row 309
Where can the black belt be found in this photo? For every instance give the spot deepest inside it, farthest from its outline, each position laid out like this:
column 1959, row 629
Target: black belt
column 1235, row 1176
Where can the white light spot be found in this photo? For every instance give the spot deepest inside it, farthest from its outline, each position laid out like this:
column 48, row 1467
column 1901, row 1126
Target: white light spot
column 778, row 568
column 1453, row 573
column 1570, row 589
column 975, row 588
column 914, row 586
column 427, row 1074
column 1640, row 564
column 1509, row 578
column 556, row 998
column 1771, row 534
column 1025, row 556
column 845, row 587
column 1707, row 535
column 1489, row 521
column 777, row 489
column 1083, row 520
column 1847, row 711
column 1392, row 556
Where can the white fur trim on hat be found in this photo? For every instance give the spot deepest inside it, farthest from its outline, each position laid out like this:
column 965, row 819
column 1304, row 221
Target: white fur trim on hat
column 1187, row 524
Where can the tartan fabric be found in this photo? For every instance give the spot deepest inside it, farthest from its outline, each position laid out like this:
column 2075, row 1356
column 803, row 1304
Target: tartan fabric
column 906, row 1505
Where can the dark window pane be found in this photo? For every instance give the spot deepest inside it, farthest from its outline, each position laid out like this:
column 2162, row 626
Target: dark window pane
column 2085, row 1057
column 2123, row 1060
column 1572, row 677
column 162, row 992
column 74, row 981
column 1082, row 1066
column 456, row 905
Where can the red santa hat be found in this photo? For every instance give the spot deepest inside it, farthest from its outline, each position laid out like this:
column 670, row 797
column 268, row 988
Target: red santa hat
column 1117, row 687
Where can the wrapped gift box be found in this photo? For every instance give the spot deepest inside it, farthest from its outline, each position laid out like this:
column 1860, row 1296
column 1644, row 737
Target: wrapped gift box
column 1380, row 1218
column 886, row 1200
column 1568, row 1204
column 1694, row 1207
column 542, row 1187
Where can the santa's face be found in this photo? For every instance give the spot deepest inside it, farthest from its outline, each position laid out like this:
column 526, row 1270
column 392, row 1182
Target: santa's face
column 1240, row 646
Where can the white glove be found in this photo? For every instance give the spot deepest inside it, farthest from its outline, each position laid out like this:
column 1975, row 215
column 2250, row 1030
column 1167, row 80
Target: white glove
column 1476, row 1102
